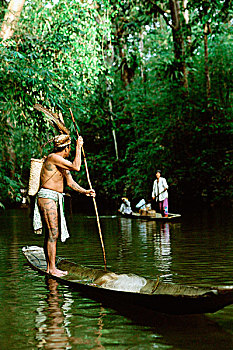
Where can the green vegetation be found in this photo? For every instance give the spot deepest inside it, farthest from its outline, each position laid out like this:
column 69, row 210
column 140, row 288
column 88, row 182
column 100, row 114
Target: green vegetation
column 150, row 86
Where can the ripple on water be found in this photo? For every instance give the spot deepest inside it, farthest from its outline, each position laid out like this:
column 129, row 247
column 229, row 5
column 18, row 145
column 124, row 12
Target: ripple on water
column 38, row 314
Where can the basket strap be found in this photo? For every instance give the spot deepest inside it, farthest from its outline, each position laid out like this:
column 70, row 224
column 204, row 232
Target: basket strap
column 49, row 178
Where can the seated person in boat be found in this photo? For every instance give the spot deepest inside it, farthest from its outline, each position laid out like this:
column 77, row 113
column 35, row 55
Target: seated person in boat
column 160, row 193
column 49, row 200
column 125, row 207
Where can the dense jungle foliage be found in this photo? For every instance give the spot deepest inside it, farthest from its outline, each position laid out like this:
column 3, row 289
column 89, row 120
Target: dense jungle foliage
column 149, row 83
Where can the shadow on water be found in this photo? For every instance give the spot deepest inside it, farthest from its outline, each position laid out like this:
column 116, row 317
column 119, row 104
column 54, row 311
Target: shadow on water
column 179, row 332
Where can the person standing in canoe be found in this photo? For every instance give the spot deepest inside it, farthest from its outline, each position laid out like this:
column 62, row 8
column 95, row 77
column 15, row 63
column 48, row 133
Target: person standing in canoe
column 49, row 200
column 160, row 194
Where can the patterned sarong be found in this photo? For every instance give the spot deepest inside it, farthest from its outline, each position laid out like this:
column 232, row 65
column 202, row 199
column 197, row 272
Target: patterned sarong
column 163, row 206
column 59, row 199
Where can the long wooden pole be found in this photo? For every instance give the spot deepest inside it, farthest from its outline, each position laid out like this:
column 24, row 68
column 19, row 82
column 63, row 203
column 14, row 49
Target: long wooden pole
column 94, row 201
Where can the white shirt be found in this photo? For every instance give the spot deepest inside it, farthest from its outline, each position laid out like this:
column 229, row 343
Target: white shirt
column 125, row 207
column 158, row 188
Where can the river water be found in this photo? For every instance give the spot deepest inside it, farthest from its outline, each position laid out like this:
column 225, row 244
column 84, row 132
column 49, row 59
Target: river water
column 41, row 314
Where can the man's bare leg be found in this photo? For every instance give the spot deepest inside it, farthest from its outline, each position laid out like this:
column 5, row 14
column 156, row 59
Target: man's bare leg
column 50, row 213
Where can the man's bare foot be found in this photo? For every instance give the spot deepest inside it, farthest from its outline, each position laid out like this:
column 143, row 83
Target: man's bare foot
column 58, row 273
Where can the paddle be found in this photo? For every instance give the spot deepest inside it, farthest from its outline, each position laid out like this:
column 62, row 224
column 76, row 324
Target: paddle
column 89, row 181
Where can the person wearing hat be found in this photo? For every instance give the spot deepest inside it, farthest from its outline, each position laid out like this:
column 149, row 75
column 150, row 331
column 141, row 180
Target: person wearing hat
column 125, row 207
column 160, row 194
column 49, row 200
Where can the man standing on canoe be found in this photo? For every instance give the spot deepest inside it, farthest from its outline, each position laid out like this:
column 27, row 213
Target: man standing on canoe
column 49, row 199
column 160, row 194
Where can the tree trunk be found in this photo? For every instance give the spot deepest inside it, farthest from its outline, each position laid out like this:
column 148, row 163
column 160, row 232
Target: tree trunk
column 179, row 49
column 11, row 18
column 186, row 18
column 141, row 35
column 207, row 73
column 113, row 130
column 127, row 72
column 8, row 27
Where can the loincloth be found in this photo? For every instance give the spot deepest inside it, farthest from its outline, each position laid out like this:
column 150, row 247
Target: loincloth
column 58, row 198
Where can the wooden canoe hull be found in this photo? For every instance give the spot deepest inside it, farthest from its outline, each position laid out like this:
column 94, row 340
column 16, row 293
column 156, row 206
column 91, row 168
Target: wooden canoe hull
column 155, row 296
column 158, row 217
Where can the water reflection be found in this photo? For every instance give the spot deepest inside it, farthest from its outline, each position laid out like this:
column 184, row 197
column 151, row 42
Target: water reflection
column 126, row 229
column 162, row 249
column 195, row 251
column 100, row 330
column 152, row 242
column 52, row 320
column 142, row 231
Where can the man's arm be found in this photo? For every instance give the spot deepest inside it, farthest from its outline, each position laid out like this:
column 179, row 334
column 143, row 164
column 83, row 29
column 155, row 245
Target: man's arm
column 66, row 164
column 72, row 184
column 77, row 159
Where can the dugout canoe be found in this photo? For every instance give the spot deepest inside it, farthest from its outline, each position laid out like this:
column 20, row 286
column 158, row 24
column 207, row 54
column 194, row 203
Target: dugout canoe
column 157, row 217
column 154, row 295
